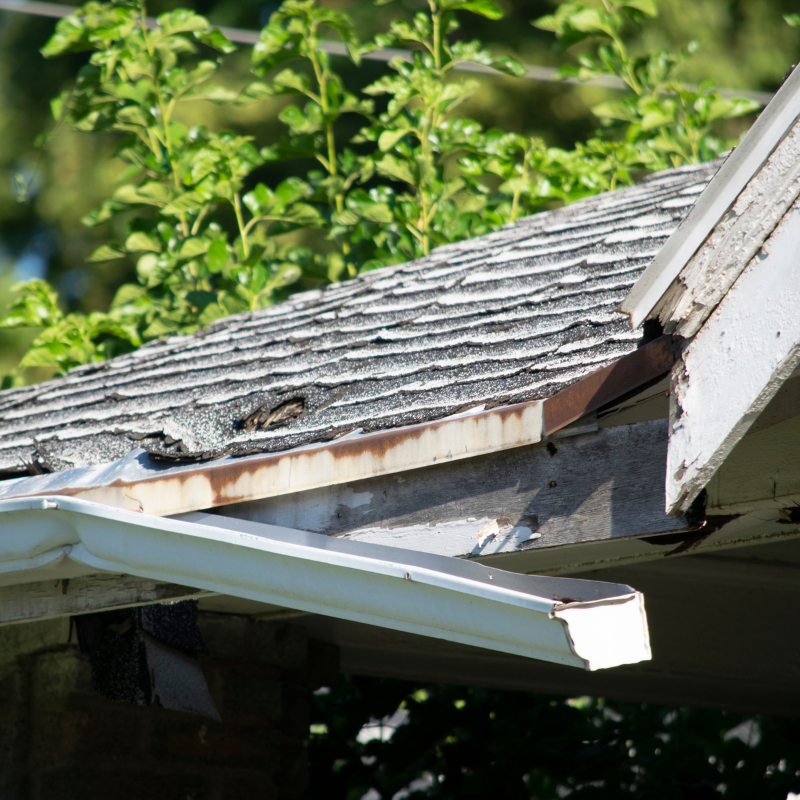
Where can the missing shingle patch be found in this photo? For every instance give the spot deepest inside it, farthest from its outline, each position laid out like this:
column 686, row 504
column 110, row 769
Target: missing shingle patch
column 268, row 416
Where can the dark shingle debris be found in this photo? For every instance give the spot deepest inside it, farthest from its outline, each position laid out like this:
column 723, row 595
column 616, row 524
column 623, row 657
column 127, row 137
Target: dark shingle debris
column 513, row 316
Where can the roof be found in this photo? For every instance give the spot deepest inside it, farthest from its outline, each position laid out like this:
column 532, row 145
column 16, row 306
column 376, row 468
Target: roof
column 509, row 317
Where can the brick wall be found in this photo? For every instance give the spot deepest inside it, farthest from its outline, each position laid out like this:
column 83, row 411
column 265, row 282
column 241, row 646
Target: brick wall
column 60, row 740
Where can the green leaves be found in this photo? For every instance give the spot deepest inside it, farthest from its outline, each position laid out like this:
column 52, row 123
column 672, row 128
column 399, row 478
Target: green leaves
column 210, row 239
column 90, row 27
column 67, row 340
column 36, row 305
column 485, row 8
column 665, row 122
column 646, row 7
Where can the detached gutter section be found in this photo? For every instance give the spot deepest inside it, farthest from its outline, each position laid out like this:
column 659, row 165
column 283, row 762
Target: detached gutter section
column 578, row 623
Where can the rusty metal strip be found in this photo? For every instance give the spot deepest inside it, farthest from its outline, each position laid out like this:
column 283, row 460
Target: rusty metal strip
column 233, row 480
column 176, row 490
column 623, row 376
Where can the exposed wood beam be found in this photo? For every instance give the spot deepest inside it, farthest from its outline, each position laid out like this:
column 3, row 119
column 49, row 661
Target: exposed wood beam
column 583, row 489
column 69, row 596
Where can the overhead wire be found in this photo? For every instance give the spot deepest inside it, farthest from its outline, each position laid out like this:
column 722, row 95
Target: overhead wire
column 242, row 36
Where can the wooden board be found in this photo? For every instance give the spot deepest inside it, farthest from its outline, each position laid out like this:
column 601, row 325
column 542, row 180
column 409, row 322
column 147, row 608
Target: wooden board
column 594, row 487
column 763, row 471
column 735, row 240
column 735, row 365
column 66, row 597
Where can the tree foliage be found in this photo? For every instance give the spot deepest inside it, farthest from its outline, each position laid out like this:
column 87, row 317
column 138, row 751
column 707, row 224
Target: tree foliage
column 209, row 240
column 459, row 742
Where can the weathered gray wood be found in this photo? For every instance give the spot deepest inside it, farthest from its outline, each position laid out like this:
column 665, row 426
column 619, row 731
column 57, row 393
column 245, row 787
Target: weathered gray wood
column 595, row 487
column 65, row 597
column 735, row 240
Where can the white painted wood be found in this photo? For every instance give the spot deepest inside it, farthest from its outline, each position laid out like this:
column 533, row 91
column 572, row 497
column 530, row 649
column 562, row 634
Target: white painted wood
column 762, row 471
column 756, row 147
column 466, row 537
column 736, row 239
column 61, row 598
column 734, row 366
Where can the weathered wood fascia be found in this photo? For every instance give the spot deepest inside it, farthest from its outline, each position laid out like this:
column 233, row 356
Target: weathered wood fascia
column 737, row 171
column 70, row 596
column 734, row 366
column 599, row 488
column 733, row 243
column 142, row 486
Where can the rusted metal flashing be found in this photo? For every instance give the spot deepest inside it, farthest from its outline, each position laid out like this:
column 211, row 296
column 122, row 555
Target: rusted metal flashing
column 233, row 480
column 610, row 383
column 224, row 481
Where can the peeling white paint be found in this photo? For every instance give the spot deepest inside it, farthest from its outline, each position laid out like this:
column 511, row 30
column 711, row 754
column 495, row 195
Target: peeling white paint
column 736, row 240
column 465, row 537
column 734, row 175
column 734, row 366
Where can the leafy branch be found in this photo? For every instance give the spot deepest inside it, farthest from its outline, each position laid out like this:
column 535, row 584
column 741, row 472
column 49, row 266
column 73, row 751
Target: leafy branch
column 210, row 241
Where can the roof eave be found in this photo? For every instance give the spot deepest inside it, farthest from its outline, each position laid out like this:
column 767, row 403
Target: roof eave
column 164, row 491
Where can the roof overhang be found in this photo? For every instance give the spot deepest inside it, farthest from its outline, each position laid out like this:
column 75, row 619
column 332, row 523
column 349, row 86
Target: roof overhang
column 712, row 205
column 578, row 623
column 139, row 483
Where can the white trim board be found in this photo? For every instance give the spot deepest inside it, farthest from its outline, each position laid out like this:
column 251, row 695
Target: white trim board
column 720, row 194
column 734, row 366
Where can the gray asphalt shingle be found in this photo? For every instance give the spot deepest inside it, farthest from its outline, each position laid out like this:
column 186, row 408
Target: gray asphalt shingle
column 516, row 315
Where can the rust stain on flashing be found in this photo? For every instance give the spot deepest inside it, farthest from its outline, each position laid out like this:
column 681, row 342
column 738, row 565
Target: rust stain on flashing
column 218, row 483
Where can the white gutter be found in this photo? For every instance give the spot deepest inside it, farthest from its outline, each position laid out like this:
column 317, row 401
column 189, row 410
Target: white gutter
column 720, row 194
column 579, row 623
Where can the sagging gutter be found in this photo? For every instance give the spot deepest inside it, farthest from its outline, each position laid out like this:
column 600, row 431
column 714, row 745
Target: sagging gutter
column 137, row 483
column 579, row 623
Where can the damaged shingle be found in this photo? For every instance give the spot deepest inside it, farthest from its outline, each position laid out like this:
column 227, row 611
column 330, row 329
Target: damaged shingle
column 513, row 316
column 267, row 417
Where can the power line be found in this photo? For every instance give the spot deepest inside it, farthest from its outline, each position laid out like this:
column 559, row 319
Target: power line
column 242, row 36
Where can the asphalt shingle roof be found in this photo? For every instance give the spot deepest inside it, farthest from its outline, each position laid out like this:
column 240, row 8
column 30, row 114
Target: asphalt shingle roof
column 512, row 316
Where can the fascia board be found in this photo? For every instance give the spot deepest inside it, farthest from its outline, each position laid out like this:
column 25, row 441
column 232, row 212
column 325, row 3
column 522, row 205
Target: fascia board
column 740, row 166
column 585, row 624
column 735, row 364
